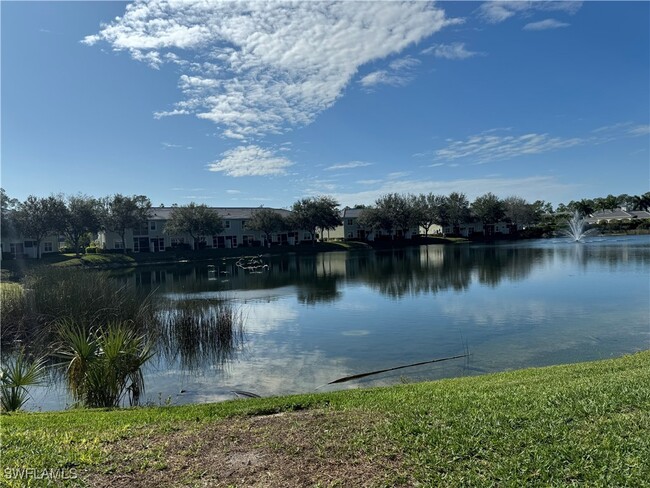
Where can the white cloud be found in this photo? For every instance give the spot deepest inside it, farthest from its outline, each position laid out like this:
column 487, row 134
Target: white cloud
column 250, row 161
column 350, row 165
column 233, row 192
column 169, row 113
column 368, row 182
column 494, row 12
column 455, row 50
column 264, row 66
column 400, row 73
column 545, row 25
column 486, row 147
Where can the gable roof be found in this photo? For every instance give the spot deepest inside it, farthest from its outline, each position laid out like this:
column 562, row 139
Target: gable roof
column 164, row 213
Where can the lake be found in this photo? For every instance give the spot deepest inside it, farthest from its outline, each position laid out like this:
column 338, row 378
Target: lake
column 309, row 320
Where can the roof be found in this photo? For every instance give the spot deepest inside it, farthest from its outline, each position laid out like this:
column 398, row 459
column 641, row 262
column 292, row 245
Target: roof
column 164, row 213
column 352, row 213
column 618, row 214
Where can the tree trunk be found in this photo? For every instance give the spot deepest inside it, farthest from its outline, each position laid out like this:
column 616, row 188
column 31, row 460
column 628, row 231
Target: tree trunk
column 123, row 237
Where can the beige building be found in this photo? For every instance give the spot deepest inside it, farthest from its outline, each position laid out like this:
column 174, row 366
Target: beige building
column 151, row 237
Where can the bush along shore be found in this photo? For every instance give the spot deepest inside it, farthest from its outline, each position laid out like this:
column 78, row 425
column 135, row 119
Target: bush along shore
column 585, row 425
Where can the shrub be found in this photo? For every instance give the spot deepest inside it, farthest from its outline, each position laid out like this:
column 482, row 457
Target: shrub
column 91, row 250
column 104, row 366
column 15, row 377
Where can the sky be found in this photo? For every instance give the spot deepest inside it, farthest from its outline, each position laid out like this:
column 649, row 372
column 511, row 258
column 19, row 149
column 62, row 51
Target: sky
column 263, row 103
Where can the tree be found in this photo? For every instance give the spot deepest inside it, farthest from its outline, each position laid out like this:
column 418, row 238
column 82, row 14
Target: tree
column 397, row 212
column 8, row 206
column 198, row 221
column 37, row 217
column 266, row 221
column 457, row 210
column 488, row 208
column 428, row 210
column 372, row 219
column 315, row 212
column 641, row 202
column 610, row 202
column 584, row 206
column 518, row 211
column 120, row 213
column 82, row 215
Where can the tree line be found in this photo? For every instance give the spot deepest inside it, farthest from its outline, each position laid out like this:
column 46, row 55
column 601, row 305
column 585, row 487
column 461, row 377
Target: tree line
column 78, row 216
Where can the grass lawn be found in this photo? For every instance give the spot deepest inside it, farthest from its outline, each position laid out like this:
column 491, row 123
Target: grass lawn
column 585, row 425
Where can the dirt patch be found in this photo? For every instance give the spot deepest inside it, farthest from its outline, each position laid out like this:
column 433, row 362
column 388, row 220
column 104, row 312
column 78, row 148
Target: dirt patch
column 308, row 448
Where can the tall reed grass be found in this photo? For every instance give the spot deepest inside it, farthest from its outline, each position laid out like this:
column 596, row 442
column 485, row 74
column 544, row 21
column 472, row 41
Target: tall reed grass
column 89, row 298
column 199, row 333
column 105, row 329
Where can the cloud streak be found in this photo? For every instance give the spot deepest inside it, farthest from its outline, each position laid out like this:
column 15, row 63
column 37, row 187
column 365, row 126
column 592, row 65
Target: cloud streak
column 261, row 67
column 545, row 24
column 494, row 12
column 350, row 165
column 486, row 147
column 455, row 50
column 536, row 188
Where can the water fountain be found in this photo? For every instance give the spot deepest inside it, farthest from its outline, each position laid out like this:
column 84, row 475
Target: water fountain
column 576, row 228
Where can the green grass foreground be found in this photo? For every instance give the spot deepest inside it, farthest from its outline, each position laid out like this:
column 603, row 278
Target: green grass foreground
column 586, row 424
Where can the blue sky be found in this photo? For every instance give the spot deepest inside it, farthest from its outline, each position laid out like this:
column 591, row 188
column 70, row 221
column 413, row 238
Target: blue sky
column 248, row 104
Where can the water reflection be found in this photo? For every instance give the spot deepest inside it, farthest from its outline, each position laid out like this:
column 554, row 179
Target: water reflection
column 310, row 319
column 397, row 273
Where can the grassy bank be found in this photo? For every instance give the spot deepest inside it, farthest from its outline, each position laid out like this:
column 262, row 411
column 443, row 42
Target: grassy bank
column 586, row 424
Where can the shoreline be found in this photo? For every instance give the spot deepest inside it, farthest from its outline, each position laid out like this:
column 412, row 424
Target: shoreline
column 552, row 425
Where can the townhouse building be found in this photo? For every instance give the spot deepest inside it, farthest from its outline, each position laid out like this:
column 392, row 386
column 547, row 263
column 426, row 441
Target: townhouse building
column 151, row 236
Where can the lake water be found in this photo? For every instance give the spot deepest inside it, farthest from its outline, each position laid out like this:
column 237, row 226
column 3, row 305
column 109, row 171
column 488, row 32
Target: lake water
column 309, row 320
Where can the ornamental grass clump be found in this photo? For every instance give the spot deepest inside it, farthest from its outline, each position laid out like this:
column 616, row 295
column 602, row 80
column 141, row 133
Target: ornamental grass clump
column 103, row 366
column 15, row 376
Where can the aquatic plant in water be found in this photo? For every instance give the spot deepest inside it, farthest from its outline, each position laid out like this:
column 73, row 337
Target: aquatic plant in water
column 576, row 228
column 199, row 333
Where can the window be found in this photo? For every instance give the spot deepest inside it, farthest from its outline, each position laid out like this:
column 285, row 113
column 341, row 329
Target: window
column 152, row 225
column 118, row 245
column 29, row 244
column 226, row 224
column 350, row 222
column 47, row 247
column 177, row 241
